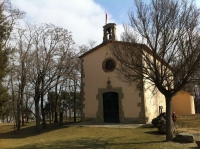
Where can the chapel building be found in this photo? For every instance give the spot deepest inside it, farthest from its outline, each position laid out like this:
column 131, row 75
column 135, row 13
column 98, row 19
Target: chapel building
column 105, row 98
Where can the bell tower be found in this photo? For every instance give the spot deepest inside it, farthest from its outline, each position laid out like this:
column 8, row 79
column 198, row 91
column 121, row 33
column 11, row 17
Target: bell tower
column 109, row 32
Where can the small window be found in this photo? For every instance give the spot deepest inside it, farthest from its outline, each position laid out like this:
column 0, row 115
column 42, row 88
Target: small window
column 108, row 65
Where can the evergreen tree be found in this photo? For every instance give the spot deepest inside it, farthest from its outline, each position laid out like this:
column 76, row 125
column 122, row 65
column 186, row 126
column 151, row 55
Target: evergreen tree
column 4, row 35
column 8, row 17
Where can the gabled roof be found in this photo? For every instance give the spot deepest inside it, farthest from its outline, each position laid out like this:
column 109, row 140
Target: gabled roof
column 119, row 42
column 94, row 49
column 143, row 46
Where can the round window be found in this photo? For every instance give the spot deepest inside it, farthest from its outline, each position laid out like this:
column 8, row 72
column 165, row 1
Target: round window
column 108, row 65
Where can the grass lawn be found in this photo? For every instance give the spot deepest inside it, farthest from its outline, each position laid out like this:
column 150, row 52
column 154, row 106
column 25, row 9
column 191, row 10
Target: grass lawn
column 78, row 137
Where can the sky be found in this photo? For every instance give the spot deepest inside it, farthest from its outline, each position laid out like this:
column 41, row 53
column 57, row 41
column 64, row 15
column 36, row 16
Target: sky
column 84, row 18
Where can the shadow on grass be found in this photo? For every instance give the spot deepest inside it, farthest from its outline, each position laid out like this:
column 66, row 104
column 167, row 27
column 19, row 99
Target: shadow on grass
column 154, row 129
column 27, row 131
column 155, row 133
column 147, row 126
column 88, row 143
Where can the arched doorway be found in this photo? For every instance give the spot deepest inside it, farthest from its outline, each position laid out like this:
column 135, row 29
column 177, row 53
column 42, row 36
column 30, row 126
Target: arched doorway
column 111, row 107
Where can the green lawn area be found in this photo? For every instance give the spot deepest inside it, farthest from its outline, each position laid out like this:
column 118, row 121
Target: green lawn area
column 79, row 137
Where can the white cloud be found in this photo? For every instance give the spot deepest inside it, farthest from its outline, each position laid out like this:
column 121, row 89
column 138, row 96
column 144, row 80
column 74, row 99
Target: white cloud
column 198, row 3
column 84, row 18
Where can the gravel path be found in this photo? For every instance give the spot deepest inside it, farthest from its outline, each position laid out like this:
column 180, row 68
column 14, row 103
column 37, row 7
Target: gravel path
column 111, row 125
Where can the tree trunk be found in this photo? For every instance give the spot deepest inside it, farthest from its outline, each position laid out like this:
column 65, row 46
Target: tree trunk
column 50, row 116
column 13, row 105
column 169, row 133
column 61, row 117
column 37, row 115
column 43, row 114
column 66, row 114
column 56, row 116
column 56, row 104
column 18, row 122
column 21, row 102
column 22, row 119
column 75, row 105
column 70, row 114
column 7, row 119
column 27, row 119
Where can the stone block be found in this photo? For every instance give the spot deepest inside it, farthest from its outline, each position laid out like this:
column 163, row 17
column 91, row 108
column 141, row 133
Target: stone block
column 198, row 143
column 184, row 137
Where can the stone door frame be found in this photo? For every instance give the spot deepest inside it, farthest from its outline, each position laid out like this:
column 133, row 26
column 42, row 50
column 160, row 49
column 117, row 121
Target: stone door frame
column 99, row 97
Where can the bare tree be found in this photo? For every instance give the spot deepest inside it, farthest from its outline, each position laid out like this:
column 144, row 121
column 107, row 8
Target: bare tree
column 170, row 29
column 92, row 43
column 128, row 35
column 75, row 86
column 23, row 47
column 50, row 58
